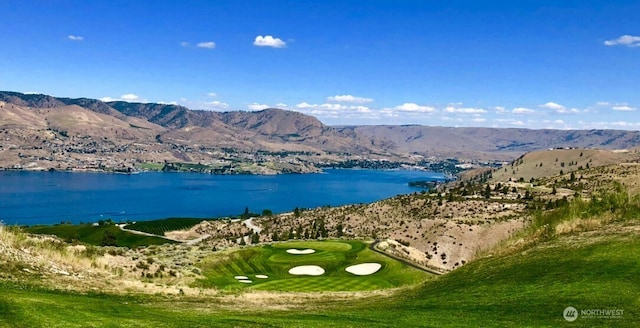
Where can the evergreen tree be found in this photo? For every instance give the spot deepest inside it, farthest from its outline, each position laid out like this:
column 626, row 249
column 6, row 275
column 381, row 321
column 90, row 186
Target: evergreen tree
column 255, row 238
column 487, row 192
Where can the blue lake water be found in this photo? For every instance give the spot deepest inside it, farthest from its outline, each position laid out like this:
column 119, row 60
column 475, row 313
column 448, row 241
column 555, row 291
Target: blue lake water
column 29, row 198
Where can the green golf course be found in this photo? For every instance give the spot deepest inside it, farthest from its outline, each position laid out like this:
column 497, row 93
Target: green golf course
column 274, row 262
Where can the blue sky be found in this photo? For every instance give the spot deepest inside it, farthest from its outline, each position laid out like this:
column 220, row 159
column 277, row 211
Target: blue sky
column 534, row 64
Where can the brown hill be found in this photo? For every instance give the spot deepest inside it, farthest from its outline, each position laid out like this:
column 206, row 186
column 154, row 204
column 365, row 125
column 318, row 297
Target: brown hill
column 275, row 122
column 546, row 163
column 494, row 143
column 280, row 130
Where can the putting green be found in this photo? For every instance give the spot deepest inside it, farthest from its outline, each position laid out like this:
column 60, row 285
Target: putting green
column 332, row 256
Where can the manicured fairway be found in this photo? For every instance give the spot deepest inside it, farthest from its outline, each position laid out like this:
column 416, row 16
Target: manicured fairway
column 332, row 256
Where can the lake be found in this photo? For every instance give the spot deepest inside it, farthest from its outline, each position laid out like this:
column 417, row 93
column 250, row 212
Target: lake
column 28, row 198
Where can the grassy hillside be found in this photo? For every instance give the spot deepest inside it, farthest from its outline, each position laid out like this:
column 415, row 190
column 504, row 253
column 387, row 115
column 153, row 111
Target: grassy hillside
column 546, row 163
column 159, row 227
column 596, row 270
column 95, row 235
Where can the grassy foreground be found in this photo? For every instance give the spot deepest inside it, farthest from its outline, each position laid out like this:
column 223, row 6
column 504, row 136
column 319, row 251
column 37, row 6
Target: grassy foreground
column 530, row 288
column 332, row 256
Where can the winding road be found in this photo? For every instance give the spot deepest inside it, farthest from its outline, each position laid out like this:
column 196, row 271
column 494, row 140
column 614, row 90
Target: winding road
column 187, row 242
column 249, row 223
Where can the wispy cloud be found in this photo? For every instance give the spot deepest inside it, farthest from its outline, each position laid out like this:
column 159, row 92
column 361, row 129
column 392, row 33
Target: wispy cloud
column 206, row 45
column 414, row 108
column 625, row 40
column 75, row 37
column 268, row 41
column 129, row 97
column 552, row 105
column 624, row 108
column 215, row 105
column 464, row 110
column 212, row 94
column 185, row 44
column 523, row 111
column 349, row 99
column 256, row 106
column 560, row 109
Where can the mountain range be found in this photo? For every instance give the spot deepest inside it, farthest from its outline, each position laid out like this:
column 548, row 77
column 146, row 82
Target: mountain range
column 37, row 123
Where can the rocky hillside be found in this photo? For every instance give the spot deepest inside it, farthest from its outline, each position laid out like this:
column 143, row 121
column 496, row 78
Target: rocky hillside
column 473, row 143
column 140, row 132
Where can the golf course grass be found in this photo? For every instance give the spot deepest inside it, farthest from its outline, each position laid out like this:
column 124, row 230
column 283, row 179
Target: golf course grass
column 529, row 288
column 333, row 256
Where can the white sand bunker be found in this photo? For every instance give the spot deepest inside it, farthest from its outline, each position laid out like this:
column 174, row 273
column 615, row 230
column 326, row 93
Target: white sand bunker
column 246, row 281
column 364, row 269
column 307, row 270
column 241, row 277
column 262, row 276
column 301, row 251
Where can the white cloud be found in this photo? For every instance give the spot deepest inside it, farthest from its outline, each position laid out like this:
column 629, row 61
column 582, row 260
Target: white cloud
column 216, row 105
column 349, row 99
column 75, row 37
column 452, row 109
column 625, row 40
column 206, row 45
column 130, row 97
column 168, row 102
column 560, row 109
column 336, row 111
column 522, row 110
column 554, row 106
column 360, row 109
column 185, row 44
column 603, row 103
column 212, row 94
column 282, row 105
column 305, row 105
column 415, row 108
column 256, row 106
column 570, row 111
column 500, row 109
column 388, row 112
column 268, row 41
column 610, row 125
column 479, row 120
column 624, row 108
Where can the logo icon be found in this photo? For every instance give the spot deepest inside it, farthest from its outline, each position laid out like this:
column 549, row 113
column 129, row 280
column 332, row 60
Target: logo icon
column 570, row 314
